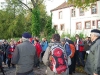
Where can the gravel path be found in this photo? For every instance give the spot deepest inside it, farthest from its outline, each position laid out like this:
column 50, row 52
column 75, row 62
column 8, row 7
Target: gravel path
column 40, row 71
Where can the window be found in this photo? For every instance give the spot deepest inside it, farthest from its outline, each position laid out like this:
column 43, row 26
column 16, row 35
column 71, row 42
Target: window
column 62, row 26
column 98, row 24
column 78, row 25
column 60, row 15
column 81, row 12
column 93, row 23
column 73, row 12
column 87, row 24
column 55, row 27
column 94, row 9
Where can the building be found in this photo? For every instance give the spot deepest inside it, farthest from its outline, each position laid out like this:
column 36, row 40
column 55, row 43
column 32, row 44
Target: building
column 68, row 19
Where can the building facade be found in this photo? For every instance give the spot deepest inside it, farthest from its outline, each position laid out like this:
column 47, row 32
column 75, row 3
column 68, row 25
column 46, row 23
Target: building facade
column 71, row 20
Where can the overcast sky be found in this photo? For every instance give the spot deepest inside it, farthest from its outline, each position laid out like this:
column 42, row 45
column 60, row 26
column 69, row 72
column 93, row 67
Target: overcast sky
column 53, row 4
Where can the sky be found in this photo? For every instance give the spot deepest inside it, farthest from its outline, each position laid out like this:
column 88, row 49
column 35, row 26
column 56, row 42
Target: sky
column 51, row 4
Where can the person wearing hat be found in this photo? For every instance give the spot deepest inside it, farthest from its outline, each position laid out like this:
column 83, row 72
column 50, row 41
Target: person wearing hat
column 92, row 66
column 24, row 55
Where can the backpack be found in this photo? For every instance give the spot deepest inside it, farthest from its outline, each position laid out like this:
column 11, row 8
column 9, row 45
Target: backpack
column 57, row 59
column 67, row 48
column 70, row 48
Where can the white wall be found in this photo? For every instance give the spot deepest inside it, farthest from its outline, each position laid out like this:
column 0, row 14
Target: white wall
column 66, row 20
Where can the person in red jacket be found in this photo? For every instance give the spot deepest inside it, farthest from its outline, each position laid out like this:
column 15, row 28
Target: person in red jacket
column 38, row 51
column 79, row 44
column 10, row 50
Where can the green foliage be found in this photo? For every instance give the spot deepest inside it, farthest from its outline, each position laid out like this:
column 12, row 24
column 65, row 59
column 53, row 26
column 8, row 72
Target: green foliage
column 48, row 30
column 72, row 37
column 13, row 21
column 81, row 3
column 35, row 22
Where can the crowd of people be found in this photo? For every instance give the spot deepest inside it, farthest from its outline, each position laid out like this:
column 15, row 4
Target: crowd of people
column 29, row 52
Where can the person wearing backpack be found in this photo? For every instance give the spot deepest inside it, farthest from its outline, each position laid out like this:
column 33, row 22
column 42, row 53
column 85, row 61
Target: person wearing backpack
column 70, row 50
column 56, row 48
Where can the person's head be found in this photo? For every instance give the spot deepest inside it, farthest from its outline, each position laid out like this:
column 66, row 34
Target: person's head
column 35, row 41
column 43, row 39
column 63, row 41
column 11, row 43
column 36, row 38
column 89, row 38
column 86, row 38
column 77, row 36
column 20, row 40
column 95, row 33
column 5, row 42
column 55, row 38
column 15, row 42
column 26, row 36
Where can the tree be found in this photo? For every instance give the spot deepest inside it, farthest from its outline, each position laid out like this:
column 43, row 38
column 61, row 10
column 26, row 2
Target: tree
column 38, row 21
column 82, row 3
column 14, row 21
column 35, row 22
column 48, row 30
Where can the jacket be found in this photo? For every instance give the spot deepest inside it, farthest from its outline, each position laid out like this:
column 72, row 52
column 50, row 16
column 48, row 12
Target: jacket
column 86, row 45
column 10, row 50
column 72, row 48
column 44, row 45
column 45, row 61
column 38, row 49
column 81, row 45
column 23, row 57
column 93, row 60
column 1, row 53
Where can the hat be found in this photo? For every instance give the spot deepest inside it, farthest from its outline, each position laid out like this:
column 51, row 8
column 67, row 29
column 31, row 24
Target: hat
column 95, row 31
column 26, row 35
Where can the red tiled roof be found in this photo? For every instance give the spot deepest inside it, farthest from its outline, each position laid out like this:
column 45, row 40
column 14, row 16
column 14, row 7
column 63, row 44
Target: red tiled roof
column 63, row 5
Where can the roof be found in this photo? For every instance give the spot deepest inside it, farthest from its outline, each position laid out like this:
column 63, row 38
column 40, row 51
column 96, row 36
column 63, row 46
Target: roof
column 63, row 5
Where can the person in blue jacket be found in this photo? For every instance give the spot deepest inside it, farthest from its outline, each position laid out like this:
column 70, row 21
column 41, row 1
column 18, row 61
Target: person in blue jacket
column 44, row 45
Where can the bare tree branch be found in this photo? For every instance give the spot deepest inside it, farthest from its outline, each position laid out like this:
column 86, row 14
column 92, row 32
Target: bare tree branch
column 33, row 2
column 25, row 5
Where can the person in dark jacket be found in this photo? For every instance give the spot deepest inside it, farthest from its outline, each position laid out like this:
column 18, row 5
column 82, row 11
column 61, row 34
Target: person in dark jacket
column 5, row 46
column 79, row 44
column 87, row 44
column 92, row 66
column 1, row 54
column 24, row 55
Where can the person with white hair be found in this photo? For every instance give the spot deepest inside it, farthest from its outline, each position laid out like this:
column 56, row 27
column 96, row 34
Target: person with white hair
column 92, row 66
column 24, row 56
